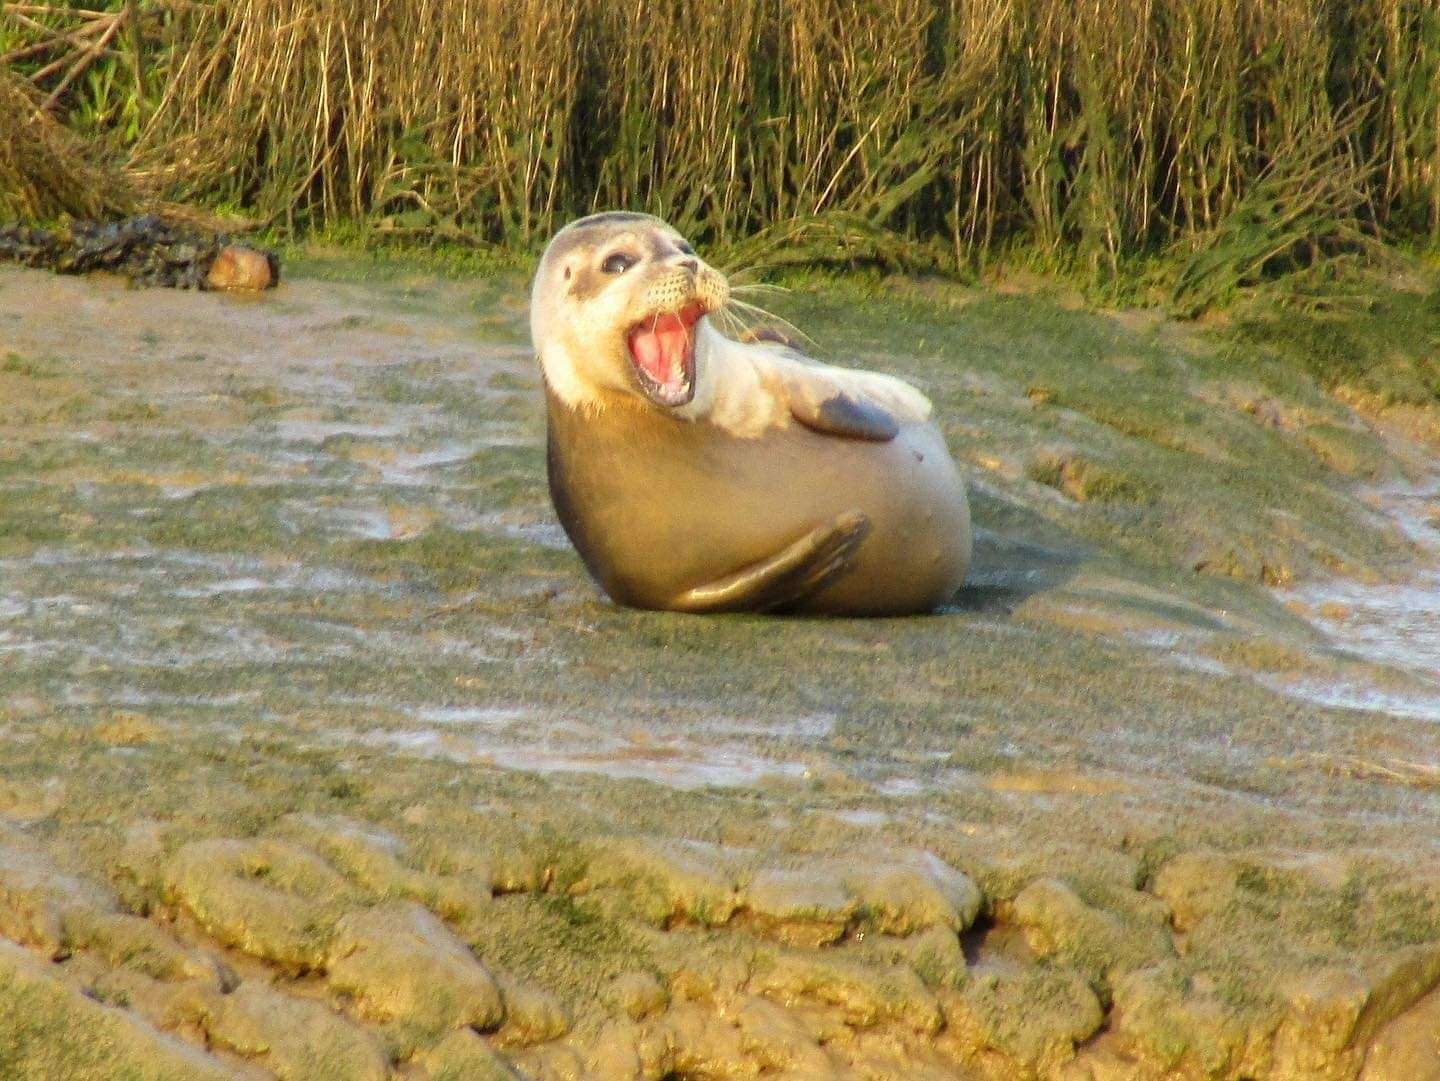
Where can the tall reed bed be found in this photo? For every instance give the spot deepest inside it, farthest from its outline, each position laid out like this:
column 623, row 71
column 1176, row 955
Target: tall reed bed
column 44, row 169
column 1239, row 137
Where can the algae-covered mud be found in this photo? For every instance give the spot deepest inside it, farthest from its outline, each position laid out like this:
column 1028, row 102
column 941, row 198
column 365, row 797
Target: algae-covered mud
column 322, row 758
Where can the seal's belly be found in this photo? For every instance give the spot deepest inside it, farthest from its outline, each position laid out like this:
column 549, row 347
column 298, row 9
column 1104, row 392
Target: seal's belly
column 653, row 517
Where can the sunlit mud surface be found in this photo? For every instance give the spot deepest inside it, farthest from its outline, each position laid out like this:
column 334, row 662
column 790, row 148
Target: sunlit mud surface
column 323, row 759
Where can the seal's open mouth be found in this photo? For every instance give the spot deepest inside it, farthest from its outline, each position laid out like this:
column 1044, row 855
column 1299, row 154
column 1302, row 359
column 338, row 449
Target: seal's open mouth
column 662, row 349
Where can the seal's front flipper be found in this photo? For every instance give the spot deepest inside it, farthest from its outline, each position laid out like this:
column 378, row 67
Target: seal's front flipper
column 785, row 578
column 848, row 417
column 843, row 403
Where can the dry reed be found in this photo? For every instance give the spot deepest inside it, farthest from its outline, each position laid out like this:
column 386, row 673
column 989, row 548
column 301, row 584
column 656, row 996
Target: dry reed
column 45, row 170
column 1245, row 138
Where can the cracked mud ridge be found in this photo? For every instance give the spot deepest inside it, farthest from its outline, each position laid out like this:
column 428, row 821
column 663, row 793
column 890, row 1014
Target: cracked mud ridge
column 322, row 759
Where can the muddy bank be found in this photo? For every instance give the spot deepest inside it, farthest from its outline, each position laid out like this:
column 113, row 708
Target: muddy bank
column 324, row 759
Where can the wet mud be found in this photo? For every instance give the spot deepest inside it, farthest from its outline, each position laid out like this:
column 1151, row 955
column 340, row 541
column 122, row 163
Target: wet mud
column 322, row 758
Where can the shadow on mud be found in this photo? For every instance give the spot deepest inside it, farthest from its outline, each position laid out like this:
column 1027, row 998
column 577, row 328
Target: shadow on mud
column 1018, row 554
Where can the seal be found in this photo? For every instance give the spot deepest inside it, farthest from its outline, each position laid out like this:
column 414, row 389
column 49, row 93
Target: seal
column 697, row 473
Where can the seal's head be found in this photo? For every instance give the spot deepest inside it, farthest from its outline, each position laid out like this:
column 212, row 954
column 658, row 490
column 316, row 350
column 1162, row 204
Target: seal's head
column 619, row 308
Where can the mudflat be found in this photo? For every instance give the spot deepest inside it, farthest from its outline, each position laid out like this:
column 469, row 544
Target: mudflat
column 322, row 758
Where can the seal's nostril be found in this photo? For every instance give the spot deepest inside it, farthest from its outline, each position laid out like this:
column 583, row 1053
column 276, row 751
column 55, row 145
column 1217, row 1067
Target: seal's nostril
column 690, row 264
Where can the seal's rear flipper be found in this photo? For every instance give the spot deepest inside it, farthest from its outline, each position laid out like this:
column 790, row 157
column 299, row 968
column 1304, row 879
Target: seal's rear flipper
column 787, row 577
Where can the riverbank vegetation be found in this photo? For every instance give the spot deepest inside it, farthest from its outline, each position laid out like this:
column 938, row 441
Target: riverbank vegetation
column 1192, row 146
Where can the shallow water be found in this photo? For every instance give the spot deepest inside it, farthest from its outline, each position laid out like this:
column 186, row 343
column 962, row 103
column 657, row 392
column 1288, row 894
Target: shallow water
column 1397, row 624
column 1393, row 624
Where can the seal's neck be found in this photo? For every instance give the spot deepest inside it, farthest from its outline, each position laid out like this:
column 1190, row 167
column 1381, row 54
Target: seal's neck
column 576, row 400
column 564, row 382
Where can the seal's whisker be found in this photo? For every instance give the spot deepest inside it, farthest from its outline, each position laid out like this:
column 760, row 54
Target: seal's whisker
column 741, row 323
column 750, row 311
column 732, row 274
column 728, row 321
column 747, row 306
column 723, row 316
column 762, row 313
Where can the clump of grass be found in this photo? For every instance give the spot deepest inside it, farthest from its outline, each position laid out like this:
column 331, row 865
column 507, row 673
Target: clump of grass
column 1389, row 352
column 422, row 115
column 1087, row 481
column 45, row 170
column 1308, row 204
column 1394, row 770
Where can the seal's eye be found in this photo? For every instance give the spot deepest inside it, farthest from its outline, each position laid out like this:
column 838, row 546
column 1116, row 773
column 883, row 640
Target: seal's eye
column 686, row 249
column 618, row 263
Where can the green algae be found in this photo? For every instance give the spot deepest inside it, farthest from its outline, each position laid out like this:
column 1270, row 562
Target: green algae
column 401, row 963
column 50, row 1030
column 296, row 1039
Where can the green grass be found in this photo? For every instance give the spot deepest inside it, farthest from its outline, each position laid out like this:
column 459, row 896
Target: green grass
column 1390, row 350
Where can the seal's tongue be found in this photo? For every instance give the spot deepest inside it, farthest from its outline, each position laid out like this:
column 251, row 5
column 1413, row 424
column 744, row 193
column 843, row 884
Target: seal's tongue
column 662, row 348
column 659, row 348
